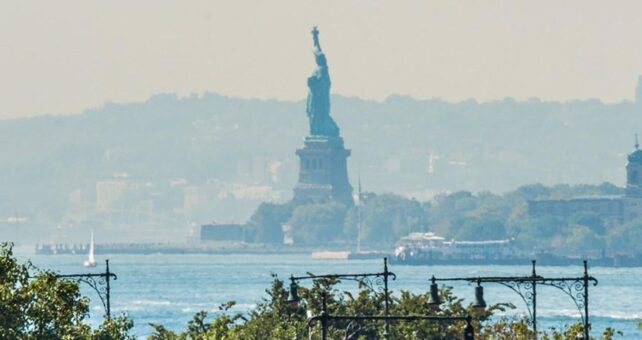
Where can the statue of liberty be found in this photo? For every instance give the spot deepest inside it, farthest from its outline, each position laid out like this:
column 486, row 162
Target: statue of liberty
column 318, row 103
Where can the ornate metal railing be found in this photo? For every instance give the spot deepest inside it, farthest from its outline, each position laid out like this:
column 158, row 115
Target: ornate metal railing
column 577, row 288
column 376, row 282
column 99, row 282
column 353, row 328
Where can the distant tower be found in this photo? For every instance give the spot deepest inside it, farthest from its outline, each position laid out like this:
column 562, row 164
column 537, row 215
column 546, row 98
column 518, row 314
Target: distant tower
column 634, row 171
column 359, row 203
column 638, row 92
column 632, row 200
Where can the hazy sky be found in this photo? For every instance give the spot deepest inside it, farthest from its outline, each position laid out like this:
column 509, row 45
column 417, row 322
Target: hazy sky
column 64, row 56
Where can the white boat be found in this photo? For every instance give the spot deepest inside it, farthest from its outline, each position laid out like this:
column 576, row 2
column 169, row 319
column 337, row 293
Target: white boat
column 91, row 259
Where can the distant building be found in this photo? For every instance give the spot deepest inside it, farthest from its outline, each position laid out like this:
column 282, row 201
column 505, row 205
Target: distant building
column 194, row 198
column 108, row 192
column 614, row 210
column 609, row 208
column 288, row 239
column 223, row 232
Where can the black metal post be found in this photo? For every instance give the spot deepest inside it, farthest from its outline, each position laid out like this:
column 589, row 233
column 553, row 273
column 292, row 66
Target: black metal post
column 324, row 317
column 386, row 329
column 99, row 282
column 108, row 290
column 587, row 325
column 469, row 331
column 534, row 300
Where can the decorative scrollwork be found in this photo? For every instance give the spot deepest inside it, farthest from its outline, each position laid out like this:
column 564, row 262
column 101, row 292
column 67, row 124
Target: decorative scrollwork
column 98, row 282
column 525, row 290
column 373, row 283
column 355, row 328
column 525, row 286
column 574, row 289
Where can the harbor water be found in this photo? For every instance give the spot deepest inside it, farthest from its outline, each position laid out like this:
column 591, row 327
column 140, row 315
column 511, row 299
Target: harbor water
column 168, row 289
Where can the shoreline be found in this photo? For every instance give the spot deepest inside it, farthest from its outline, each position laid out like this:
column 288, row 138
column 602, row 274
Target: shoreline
column 322, row 254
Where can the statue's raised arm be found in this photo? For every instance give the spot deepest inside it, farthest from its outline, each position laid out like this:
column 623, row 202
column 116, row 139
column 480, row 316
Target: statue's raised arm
column 315, row 39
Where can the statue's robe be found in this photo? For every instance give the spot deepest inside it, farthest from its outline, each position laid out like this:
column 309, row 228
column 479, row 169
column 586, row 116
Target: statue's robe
column 318, row 104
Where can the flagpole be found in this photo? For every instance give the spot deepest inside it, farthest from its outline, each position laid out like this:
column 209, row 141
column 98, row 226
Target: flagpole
column 359, row 219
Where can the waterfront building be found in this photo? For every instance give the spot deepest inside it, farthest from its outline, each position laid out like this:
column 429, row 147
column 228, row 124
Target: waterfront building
column 223, row 232
column 614, row 210
column 109, row 192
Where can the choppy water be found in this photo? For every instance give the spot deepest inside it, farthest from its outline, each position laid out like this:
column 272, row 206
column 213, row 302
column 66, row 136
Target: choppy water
column 169, row 289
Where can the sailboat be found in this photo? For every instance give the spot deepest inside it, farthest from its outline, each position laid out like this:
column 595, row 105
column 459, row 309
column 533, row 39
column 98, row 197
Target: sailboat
column 91, row 259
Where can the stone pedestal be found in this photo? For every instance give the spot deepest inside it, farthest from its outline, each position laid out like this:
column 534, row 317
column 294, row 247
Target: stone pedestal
column 323, row 172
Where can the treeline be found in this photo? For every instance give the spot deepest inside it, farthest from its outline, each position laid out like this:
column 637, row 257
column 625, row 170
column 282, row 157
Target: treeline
column 463, row 215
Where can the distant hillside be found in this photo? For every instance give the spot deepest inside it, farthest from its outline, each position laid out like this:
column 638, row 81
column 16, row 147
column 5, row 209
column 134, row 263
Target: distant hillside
column 401, row 145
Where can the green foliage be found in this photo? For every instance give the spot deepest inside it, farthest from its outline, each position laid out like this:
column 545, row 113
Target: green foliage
column 580, row 238
column 532, row 192
column 42, row 306
column 387, row 217
column 537, row 232
column 467, row 216
column 627, row 238
column 454, row 205
column 461, row 215
column 198, row 328
column 571, row 332
column 317, row 223
column 590, row 220
column 265, row 223
column 117, row 327
column 478, row 229
column 275, row 318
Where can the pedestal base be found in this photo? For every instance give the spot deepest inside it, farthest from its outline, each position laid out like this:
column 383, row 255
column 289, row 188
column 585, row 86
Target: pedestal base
column 323, row 172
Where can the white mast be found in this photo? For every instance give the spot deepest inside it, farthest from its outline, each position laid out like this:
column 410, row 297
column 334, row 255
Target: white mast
column 92, row 257
column 359, row 218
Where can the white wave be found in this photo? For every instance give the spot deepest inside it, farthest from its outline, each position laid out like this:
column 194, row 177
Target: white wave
column 618, row 315
column 152, row 302
column 574, row 313
column 245, row 306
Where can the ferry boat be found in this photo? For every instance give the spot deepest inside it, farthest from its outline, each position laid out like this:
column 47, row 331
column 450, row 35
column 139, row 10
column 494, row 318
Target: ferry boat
column 430, row 249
